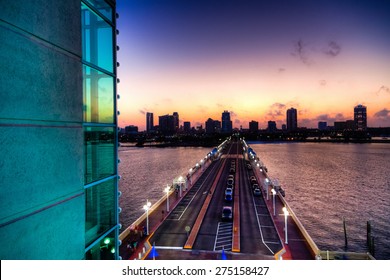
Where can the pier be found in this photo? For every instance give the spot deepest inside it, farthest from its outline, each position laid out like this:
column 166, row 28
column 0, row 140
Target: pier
column 262, row 225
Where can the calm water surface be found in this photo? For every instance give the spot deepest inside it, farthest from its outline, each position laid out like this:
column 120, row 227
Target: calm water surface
column 324, row 182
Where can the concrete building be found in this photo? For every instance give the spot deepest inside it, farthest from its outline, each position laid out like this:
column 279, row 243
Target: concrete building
column 166, row 124
column 187, row 127
column 292, row 119
column 131, row 129
column 253, row 127
column 176, row 121
column 58, row 130
column 212, row 126
column 322, row 125
column 149, row 122
column 272, row 126
column 227, row 125
column 360, row 117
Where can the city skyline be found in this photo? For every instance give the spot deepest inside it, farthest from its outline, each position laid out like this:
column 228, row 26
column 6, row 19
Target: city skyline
column 255, row 59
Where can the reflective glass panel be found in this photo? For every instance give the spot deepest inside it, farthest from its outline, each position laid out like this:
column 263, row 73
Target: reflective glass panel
column 97, row 36
column 104, row 250
column 100, row 211
column 98, row 94
column 102, row 7
column 99, row 149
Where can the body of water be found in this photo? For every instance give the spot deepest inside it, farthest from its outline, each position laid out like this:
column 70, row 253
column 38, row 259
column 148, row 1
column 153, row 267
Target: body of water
column 324, row 183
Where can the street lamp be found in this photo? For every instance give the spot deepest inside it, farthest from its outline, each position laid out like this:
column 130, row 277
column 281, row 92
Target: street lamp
column 167, row 191
column 285, row 224
column 201, row 163
column 273, row 199
column 190, row 175
column 146, row 208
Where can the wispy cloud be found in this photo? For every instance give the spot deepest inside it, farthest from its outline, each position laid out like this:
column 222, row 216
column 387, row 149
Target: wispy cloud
column 333, row 49
column 232, row 114
column 383, row 89
column 281, row 70
column 142, row 112
column 276, row 110
column 383, row 114
column 322, row 83
column 300, row 51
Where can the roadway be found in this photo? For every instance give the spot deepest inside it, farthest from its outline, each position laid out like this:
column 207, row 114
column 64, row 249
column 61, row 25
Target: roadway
column 256, row 229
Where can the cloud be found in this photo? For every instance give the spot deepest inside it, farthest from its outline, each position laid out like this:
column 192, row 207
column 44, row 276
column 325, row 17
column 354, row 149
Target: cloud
column 276, row 110
column 323, row 83
column 383, row 89
column 281, row 70
column 330, row 119
column 383, row 114
column 237, row 121
column 219, row 105
column 300, row 51
column 142, row 112
column 333, row 49
column 232, row 114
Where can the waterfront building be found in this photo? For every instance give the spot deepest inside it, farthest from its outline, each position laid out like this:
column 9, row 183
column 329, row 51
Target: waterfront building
column 284, row 127
column 322, row 125
column 212, row 126
column 292, row 119
column 272, row 126
column 149, row 122
column 227, row 125
column 166, row 124
column 176, row 121
column 340, row 126
column 360, row 117
column 187, row 127
column 131, row 129
column 58, row 180
column 253, row 127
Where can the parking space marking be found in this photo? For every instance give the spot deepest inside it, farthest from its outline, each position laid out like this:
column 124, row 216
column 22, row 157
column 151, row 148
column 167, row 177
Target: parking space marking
column 223, row 238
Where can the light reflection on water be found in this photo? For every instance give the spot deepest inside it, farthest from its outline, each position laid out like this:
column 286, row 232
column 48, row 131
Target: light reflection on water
column 324, row 182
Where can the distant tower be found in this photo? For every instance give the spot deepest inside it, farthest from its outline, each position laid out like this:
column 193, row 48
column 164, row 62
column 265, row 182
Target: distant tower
column 149, row 122
column 227, row 125
column 292, row 119
column 253, row 127
column 176, row 121
column 360, row 117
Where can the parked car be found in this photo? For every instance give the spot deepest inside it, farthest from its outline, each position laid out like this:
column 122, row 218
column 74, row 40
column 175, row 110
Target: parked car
column 229, row 191
column 227, row 213
column 230, row 181
column 255, row 186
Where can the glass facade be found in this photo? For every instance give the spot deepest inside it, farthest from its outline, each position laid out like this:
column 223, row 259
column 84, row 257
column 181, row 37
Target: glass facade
column 100, row 129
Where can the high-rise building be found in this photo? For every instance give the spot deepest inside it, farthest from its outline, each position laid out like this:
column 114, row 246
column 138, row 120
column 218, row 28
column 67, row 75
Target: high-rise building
column 253, row 127
column 322, row 125
column 272, row 126
column 227, row 125
column 58, row 177
column 187, row 127
column 149, row 122
column 166, row 124
column 176, row 121
column 292, row 119
column 213, row 126
column 360, row 117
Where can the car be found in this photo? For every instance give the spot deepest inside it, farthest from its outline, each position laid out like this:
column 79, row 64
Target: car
column 231, row 176
column 228, row 191
column 255, row 186
column 257, row 192
column 249, row 166
column 227, row 213
column 228, row 197
column 253, row 180
column 232, row 170
column 230, row 181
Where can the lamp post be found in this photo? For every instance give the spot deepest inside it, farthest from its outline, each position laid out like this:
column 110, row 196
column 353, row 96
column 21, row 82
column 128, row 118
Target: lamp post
column 273, row 199
column 167, row 191
column 201, row 163
column 146, row 208
column 285, row 224
column 190, row 175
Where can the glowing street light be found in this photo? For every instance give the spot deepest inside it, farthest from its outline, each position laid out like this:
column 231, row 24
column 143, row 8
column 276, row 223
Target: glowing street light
column 285, row 224
column 146, row 208
column 273, row 199
column 167, row 191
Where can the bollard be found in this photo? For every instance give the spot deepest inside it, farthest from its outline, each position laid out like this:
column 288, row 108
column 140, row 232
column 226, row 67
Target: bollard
column 139, row 255
column 143, row 250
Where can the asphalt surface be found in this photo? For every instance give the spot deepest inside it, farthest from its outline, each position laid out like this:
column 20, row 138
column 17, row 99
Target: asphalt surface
column 257, row 232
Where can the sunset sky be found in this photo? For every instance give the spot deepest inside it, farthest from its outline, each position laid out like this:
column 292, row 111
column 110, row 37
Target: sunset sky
column 255, row 59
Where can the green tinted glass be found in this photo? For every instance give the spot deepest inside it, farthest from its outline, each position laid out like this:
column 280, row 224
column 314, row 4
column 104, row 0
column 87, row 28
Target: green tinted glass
column 98, row 92
column 99, row 149
column 100, row 211
column 104, row 250
column 97, row 36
